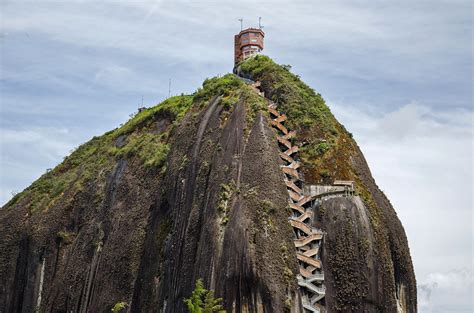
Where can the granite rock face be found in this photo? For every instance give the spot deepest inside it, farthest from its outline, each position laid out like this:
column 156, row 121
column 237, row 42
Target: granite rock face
column 192, row 189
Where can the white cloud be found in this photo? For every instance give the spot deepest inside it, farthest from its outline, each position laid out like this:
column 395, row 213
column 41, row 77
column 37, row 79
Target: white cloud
column 421, row 158
column 114, row 75
column 168, row 29
column 446, row 292
column 25, row 154
column 51, row 143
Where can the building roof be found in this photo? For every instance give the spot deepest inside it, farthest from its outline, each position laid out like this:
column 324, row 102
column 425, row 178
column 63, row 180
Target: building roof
column 251, row 29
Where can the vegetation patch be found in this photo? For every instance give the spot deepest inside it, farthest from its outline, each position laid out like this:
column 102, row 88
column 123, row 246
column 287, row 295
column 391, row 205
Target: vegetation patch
column 225, row 86
column 91, row 161
column 307, row 111
column 232, row 90
column 65, row 237
column 301, row 104
column 255, row 104
column 119, row 306
column 267, row 206
column 312, row 151
column 203, row 301
column 150, row 148
column 173, row 108
column 225, row 194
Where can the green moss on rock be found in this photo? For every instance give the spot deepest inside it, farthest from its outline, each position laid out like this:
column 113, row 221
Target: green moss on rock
column 90, row 161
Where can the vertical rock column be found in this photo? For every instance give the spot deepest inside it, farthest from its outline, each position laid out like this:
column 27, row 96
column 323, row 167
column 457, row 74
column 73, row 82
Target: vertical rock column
column 308, row 239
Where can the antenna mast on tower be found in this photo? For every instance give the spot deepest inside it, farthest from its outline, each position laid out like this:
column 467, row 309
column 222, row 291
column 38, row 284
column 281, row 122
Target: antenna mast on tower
column 241, row 23
column 260, row 22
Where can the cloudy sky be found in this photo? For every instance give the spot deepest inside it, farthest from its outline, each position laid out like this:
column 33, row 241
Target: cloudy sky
column 398, row 74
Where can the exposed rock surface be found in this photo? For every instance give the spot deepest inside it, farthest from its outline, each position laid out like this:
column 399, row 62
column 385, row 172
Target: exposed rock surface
column 366, row 255
column 192, row 189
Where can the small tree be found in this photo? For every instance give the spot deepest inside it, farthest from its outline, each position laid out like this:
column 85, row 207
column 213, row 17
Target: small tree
column 119, row 306
column 203, row 301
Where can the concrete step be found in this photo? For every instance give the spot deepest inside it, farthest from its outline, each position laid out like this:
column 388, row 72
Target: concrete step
column 301, row 226
column 287, row 158
column 293, row 149
column 303, row 217
column 309, row 307
column 304, row 200
column 290, row 184
column 273, row 111
column 296, row 207
column 294, row 196
column 308, row 260
column 311, row 252
column 291, row 172
column 310, row 286
column 291, row 134
column 280, row 127
column 284, row 142
column 312, row 307
column 281, row 118
column 315, row 277
column 294, row 165
column 316, row 298
column 307, row 272
column 302, row 241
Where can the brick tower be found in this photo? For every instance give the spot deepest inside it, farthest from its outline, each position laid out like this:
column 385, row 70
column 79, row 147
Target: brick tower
column 247, row 43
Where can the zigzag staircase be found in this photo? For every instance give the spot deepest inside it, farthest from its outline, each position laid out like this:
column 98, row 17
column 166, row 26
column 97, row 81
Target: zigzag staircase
column 308, row 239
